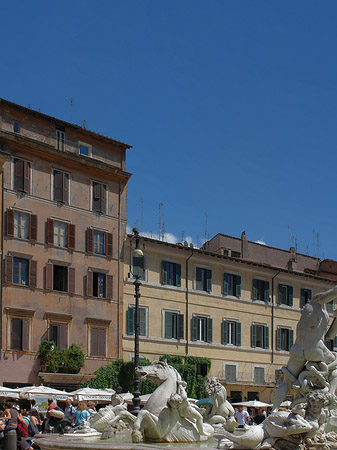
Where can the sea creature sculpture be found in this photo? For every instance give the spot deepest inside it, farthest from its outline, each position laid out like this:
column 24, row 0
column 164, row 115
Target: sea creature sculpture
column 222, row 412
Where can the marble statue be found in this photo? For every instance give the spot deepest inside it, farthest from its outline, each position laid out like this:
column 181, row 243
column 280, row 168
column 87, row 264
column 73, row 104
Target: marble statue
column 221, row 412
column 167, row 416
column 100, row 420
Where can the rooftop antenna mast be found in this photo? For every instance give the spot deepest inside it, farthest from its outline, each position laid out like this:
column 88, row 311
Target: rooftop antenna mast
column 71, row 110
column 206, row 218
column 161, row 222
column 313, row 242
column 317, row 244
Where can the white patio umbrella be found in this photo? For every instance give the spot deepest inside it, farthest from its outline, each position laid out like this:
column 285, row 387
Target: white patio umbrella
column 92, row 394
column 8, row 392
column 30, row 392
column 285, row 404
column 252, row 404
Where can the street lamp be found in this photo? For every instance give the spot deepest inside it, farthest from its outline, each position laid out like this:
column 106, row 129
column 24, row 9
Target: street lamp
column 137, row 253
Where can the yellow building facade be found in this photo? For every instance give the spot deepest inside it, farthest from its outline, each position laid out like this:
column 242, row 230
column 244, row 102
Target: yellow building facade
column 240, row 313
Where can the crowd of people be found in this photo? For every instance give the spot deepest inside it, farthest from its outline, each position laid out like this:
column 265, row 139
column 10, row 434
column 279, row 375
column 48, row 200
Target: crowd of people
column 28, row 423
column 250, row 417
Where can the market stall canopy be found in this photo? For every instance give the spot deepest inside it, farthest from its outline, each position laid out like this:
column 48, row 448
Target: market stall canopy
column 8, row 392
column 86, row 394
column 30, row 392
column 252, row 404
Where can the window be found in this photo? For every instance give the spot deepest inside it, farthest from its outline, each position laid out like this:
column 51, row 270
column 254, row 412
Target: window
column 21, row 175
column 174, row 325
column 259, row 375
column 138, row 269
column 202, row 329
column 21, row 225
column 60, row 139
column 59, row 277
column 231, row 332
column 171, row 273
column 20, row 271
column 98, row 341
column 85, row 149
column 99, row 284
column 259, row 336
column 99, row 191
column 232, row 285
column 284, row 339
column 60, row 234
column 260, row 290
column 203, row 279
column 285, row 294
column 58, row 332
column 230, row 373
column 61, row 186
column 305, row 296
column 19, row 334
column 16, row 126
column 142, row 320
column 99, row 242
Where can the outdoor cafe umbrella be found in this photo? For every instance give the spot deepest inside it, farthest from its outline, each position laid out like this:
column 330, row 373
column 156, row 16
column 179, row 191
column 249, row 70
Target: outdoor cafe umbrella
column 252, row 404
column 8, row 392
column 92, row 394
column 30, row 392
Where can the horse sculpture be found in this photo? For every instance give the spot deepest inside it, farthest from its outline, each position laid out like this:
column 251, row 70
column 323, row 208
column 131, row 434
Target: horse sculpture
column 164, row 416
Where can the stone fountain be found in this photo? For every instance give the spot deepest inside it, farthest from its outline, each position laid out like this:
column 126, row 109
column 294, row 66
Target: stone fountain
column 310, row 423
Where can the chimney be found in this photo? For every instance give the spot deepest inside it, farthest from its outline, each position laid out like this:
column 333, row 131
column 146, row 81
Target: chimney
column 244, row 245
column 292, row 263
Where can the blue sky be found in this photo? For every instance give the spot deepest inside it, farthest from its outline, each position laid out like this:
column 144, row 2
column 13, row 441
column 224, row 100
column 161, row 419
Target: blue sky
column 230, row 106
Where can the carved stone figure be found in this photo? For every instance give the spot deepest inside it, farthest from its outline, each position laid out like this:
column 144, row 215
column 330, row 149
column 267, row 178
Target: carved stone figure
column 222, row 412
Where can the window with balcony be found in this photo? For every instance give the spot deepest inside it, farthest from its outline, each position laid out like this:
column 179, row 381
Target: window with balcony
column 285, row 294
column 231, row 332
column 259, row 336
column 171, row 273
column 260, row 290
column 58, row 332
column 21, row 175
column 174, row 325
column 99, row 195
column 61, row 186
column 203, row 279
column 202, row 329
column 284, row 338
column 232, row 284
column 142, row 320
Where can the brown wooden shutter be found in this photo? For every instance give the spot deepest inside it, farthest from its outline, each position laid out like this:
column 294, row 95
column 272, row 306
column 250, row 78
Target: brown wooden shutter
column 101, row 342
column 10, row 222
column 71, row 236
column 109, row 247
column 90, row 240
column 18, row 175
column 9, row 269
column 25, row 335
column 63, row 337
column 32, row 273
column 49, row 276
column 93, row 341
column 103, row 199
column 58, row 186
column 89, row 283
column 65, row 187
column 109, row 286
column 33, row 227
column 50, row 232
column 71, row 280
column 26, row 177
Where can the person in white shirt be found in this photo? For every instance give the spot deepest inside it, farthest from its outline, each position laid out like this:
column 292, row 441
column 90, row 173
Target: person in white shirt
column 241, row 416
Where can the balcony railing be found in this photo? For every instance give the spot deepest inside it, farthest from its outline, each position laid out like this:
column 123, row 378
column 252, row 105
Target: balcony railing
column 244, row 378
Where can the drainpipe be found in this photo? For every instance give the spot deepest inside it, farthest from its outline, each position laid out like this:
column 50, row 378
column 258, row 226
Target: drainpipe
column 1, row 256
column 272, row 315
column 186, row 296
column 118, row 271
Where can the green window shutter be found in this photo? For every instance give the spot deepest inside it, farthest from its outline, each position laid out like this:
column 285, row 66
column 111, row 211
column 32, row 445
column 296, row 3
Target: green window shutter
column 208, row 280
column 291, row 296
column 302, row 301
column 194, row 328
column 138, row 267
column 168, row 325
column 291, row 338
column 224, row 332
column 238, row 285
column 266, row 337
column 180, row 326
column 131, row 320
column 209, row 330
column 280, row 299
column 164, row 272
column 266, row 291
column 225, row 283
column 142, row 322
column 253, row 335
column 238, row 333
column 254, row 289
column 198, row 278
column 178, row 275
column 278, row 339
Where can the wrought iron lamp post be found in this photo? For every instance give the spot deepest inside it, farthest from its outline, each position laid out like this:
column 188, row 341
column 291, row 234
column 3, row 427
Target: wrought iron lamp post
column 137, row 253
